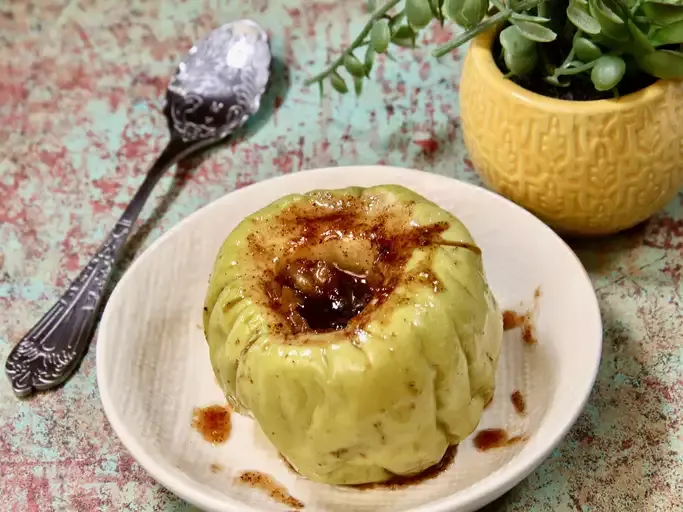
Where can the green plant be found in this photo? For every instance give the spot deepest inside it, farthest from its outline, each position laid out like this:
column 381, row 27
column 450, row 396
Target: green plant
column 615, row 44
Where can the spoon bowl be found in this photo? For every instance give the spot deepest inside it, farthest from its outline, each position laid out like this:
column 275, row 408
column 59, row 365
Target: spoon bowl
column 219, row 84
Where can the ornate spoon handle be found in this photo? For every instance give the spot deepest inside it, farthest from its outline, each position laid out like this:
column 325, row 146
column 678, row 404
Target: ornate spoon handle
column 48, row 354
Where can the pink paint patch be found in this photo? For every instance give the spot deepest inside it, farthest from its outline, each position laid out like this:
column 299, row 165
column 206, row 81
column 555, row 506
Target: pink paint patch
column 108, row 186
column 285, row 161
column 429, row 146
column 72, row 262
column 657, row 385
column 243, row 180
column 115, row 97
column 137, row 147
column 439, row 35
column 665, row 233
column 51, row 158
column 83, row 36
column 100, row 206
column 145, row 85
column 425, row 68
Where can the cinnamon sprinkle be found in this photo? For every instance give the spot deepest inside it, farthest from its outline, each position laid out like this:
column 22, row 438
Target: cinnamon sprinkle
column 270, row 486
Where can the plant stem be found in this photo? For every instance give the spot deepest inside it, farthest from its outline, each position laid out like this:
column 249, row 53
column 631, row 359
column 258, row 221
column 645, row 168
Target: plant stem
column 577, row 70
column 568, row 60
column 355, row 44
column 469, row 34
column 483, row 27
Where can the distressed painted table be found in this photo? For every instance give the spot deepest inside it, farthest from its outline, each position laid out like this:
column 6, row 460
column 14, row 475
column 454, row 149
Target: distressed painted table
column 80, row 121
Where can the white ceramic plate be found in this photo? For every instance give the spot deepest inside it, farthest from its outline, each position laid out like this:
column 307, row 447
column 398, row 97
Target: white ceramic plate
column 153, row 367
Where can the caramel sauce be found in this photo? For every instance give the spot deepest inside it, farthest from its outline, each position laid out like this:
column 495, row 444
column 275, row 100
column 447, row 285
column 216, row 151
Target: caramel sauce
column 528, row 333
column 491, row 438
column 518, row 402
column 513, row 320
column 270, row 486
column 213, row 423
column 319, row 296
column 323, row 297
column 401, row 481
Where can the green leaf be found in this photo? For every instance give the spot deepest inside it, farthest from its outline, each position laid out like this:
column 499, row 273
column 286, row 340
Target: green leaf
column 534, row 31
column 520, row 64
column 404, row 36
column 380, row 36
column 557, row 81
column 582, row 20
column 671, row 34
column 611, row 25
column 369, row 60
column 586, row 50
column 664, row 2
column 608, row 72
column 358, row 84
column 662, row 14
column 435, row 6
column 641, row 44
column 418, row 13
column 528, row 17
column 664, row 64
column 396, row 21
column 353, row 65
column 465, row 13
column 338, row 83
column 513, row 42
column 608, row 13
column 321, row 89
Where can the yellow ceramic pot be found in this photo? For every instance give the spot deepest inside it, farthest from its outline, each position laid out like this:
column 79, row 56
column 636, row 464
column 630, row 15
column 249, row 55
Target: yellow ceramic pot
column 585, row 168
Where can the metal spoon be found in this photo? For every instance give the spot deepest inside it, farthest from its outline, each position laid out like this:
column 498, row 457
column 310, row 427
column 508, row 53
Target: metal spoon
column 213, row 92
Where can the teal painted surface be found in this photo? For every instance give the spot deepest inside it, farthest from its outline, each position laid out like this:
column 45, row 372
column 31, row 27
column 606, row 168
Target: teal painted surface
column 80, row 121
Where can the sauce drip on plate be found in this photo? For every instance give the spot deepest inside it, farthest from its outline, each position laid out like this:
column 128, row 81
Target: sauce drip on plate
column 491, row 438
column 512, row 320
column 518, row 401
column 268, row 484
column 213, row 423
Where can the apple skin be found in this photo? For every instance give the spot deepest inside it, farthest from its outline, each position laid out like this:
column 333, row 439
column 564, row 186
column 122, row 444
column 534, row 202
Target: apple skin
column 404, row 380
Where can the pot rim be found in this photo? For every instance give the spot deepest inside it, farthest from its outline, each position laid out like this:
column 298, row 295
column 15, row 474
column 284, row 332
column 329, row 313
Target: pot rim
column 482, row 56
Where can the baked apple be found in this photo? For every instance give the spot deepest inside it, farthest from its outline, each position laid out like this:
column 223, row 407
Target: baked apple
column 357, row 328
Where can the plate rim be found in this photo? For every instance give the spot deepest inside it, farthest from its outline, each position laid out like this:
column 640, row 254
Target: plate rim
column 477, row 495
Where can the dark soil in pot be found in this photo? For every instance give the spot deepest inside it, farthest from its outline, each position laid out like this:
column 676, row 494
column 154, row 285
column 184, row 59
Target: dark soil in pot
column 581, row 87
